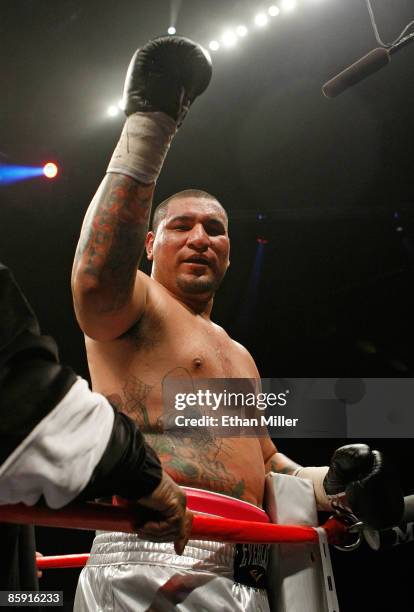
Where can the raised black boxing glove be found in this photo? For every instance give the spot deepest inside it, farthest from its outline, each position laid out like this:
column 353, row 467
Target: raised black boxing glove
column 360, row 480
column 371, row 488
column 163, row 79
column 166, row 75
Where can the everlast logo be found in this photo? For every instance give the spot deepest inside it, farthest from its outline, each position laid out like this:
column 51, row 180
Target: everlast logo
column 255, row 554
column 256, row 574
column 250, row 564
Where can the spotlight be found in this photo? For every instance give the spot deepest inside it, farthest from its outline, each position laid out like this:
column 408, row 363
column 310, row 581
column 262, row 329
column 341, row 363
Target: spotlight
column 171, row 30
column 261, row 20
column 112, row 110
column 288, row 5
column 121, row 104
column 50, row 170
column 241, row 30
column 214, row 45
column 229, row 39
column 12, row 174
column 273, row 10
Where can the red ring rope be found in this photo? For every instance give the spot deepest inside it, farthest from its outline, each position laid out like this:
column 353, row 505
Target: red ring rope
column 114, row 518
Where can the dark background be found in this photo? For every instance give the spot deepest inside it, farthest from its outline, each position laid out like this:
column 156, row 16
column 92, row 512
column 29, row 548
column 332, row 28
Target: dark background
column 327, row 183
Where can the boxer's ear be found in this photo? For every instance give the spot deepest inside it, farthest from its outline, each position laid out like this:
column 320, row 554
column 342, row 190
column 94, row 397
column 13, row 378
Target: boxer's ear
column 149, row 244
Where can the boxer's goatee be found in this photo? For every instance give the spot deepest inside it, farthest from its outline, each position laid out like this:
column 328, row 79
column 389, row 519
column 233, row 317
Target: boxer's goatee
column 197, row 285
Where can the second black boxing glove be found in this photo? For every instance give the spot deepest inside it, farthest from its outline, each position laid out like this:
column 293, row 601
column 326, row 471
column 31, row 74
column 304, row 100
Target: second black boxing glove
column 371, row 488
column 360, row 480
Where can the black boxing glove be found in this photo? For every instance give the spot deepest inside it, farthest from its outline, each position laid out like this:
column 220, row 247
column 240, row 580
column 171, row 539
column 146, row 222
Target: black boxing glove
column 360, row 480
column 166, row 75
column 370, row 486
column 163, row 79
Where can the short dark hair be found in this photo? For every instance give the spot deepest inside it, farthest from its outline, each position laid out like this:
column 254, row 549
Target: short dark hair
column 161, row 210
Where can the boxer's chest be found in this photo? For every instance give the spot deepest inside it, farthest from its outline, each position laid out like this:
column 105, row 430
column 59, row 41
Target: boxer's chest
column 204, row 349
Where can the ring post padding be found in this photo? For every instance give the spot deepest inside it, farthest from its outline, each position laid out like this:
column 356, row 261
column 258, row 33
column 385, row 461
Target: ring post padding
column 297, row 578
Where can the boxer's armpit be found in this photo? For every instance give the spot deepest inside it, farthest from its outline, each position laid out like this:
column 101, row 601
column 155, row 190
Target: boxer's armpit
column 281, row 464
column 112, row 238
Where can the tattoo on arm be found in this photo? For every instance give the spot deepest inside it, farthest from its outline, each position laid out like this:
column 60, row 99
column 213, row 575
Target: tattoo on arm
column 113, row 236
column 281, row 464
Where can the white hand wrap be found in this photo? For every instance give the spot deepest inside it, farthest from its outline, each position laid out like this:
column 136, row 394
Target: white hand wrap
column 143, row 145
column 317, row 476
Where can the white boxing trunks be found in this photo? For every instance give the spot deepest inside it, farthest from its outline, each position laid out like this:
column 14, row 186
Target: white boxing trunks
column 126, row 574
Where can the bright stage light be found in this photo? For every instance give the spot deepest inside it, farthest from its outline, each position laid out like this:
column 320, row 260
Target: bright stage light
column 112, row 110
column 261, row 20
column 214, row 45
column 273, row 10
column 50, row 170
column 241, row 30
column 288, row 5
column 171, row 30
column 121, row 104
column 229, row 39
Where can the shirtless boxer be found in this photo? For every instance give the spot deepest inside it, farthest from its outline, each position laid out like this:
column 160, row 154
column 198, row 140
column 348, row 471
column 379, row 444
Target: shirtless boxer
column 140, row 330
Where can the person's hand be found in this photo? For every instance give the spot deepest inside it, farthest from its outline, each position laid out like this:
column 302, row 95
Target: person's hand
column 173, row 521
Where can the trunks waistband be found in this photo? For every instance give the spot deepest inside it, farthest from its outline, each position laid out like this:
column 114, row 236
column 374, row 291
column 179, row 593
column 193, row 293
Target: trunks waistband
column 244, row 563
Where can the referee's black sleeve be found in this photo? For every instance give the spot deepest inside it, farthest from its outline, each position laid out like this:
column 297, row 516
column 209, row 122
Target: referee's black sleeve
column 58, row 439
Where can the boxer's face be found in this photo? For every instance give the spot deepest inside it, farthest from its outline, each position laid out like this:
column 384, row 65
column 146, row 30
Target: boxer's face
column 190, row 250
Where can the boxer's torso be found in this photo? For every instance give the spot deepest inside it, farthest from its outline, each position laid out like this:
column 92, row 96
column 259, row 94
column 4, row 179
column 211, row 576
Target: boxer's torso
column 171, row 341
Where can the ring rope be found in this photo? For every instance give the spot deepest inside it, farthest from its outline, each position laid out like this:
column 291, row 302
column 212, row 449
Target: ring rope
column 104, row 517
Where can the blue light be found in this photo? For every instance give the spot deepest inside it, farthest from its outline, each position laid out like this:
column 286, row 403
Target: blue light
column 249, row 304
column 13, row 174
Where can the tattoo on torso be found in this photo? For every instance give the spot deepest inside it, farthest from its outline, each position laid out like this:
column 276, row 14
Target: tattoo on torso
column 195, row 458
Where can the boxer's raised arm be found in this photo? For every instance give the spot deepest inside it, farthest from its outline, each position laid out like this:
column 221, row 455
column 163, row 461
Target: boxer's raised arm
column 163, row 79
column 107, row 292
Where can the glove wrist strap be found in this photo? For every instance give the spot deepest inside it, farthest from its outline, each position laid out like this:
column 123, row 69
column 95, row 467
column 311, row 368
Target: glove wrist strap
column 143, row 145
column 317, row 476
